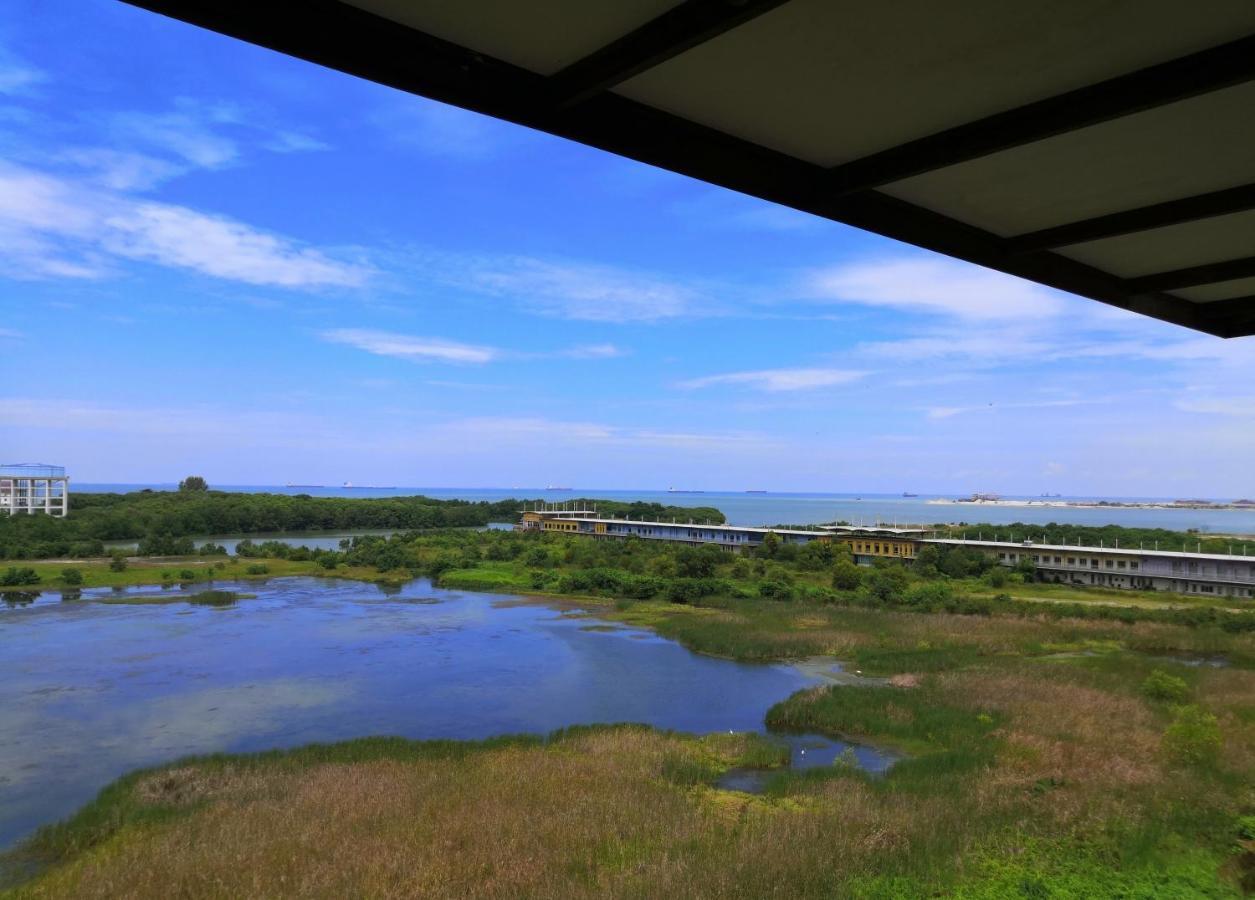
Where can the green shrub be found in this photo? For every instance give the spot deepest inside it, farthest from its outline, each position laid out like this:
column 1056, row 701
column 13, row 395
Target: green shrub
column 14, row 577
column 118, row 563
column 1246, row 828
column 931, row 596
column 71, row 576
column 846, row 576
column 257, row 569
column 216, row 598
column 775, row 590
column 187, row 575
column 887, row 582
column 1159, row 685
column 1193, row 738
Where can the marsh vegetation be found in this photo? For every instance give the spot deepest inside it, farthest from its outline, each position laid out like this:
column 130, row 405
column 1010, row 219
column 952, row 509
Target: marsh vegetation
column 1051, row 749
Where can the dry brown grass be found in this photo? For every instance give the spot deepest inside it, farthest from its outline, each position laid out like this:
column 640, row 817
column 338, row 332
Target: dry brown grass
column 590, row 816
column 1093, row 747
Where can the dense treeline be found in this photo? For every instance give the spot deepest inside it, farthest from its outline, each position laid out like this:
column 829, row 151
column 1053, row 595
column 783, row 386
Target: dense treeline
column 159, row 518
column 647, row 512
column 165, row 521
column 1105, row 535
column 942, row 579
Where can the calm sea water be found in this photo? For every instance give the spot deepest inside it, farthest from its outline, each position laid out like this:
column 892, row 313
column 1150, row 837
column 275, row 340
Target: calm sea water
column 93, row 690
column 775, row 508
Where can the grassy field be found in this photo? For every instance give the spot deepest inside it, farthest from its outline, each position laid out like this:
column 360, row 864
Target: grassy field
column 1040, row 764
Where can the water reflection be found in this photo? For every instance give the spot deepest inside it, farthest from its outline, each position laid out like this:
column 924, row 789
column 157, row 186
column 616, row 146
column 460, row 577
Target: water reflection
column 93, row 690
column 18, row 598
column 810, row 752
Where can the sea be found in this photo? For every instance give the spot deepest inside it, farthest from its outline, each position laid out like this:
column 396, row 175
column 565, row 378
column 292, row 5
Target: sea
column 778, row 508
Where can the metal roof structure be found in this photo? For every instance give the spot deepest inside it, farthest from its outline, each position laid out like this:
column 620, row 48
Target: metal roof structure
column 1029, row 546
column 1104, row 149
column 31, row 470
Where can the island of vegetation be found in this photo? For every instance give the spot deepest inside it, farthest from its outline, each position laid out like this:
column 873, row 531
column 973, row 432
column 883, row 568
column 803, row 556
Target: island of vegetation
column 1058, row 742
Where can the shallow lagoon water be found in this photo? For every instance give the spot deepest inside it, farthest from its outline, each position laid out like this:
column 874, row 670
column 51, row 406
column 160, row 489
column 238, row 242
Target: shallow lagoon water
column 93, row 690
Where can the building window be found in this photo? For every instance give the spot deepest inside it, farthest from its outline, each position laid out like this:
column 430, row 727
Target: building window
column 1120, row 564
column 1132, row 565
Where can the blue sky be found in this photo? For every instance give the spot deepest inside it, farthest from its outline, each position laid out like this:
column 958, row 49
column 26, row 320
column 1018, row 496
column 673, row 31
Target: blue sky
column 216, row 259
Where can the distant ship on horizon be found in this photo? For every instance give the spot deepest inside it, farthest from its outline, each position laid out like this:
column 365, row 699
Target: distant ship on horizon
column 909, row 494
column 675, row 490
column 554, row 487
column 752, row 491
column 368, row 487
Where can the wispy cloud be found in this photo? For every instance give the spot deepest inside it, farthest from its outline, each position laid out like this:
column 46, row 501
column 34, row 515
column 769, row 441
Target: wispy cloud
column 55, row 227
column 415, row 349
column 779, row 379
column 1242, row 406
column 431, row 349
column 17, row 77
column 119, row 170
column 934, row 285
column 202, row 135
column 192, row 132
column 947, row 412
column 522, row 430
column 577, row 290
column 294, row 142
column 593, row 351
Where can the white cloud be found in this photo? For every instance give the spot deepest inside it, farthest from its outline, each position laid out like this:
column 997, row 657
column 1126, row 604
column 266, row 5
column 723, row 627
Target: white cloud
column 578, row 291
column 1243, row 406
column 18, row 77
column 120, row 170
column 428, row 349
column 942, row 286
column 54, row 227
column 294, row 142
column 200, row 135
column 947, row 412
column 181, row 237
column 779, row 379
column 529, row 430
column 417, row 349
column 593, row 351
column 188, row 133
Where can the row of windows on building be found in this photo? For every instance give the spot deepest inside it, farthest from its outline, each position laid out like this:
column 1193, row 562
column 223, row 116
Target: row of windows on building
column 1071, row 561
column 875, row 548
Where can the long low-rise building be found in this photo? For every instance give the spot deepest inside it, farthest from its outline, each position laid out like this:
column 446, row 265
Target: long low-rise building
column 1115, row 567
column 1160, row 570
